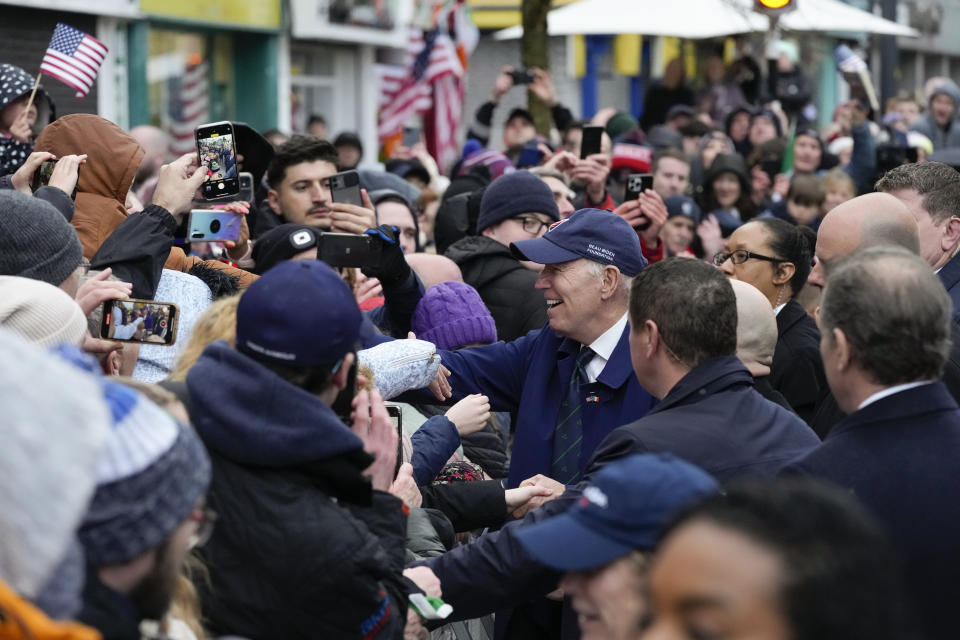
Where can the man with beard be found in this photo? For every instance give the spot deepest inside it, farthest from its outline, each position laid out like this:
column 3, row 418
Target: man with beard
column 146, row 514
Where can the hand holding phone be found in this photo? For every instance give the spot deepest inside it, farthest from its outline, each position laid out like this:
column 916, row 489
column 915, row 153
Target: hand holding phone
column 143, row 321
column 411, row 136
column 217, row 151
column 522, row 76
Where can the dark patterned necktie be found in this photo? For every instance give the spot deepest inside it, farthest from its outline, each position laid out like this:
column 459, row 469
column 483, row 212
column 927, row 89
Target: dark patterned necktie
column 568, row 435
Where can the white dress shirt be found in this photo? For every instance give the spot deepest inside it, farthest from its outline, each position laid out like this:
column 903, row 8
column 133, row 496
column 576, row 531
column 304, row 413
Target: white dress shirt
column 603, row 348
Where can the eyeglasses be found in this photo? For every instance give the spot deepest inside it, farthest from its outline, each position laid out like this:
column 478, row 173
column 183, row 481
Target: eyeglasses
column 740, row 256
column 531, row 225
column 205, row 519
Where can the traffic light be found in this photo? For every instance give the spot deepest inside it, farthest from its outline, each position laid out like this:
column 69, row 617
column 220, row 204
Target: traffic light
column 774, row 7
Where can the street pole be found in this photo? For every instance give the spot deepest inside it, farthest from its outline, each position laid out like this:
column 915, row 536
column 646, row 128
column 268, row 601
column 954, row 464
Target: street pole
column 889, row 55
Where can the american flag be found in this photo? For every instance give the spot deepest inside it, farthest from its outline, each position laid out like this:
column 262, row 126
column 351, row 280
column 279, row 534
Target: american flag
column 431, row 82
column 188, row 103
column 74, row 58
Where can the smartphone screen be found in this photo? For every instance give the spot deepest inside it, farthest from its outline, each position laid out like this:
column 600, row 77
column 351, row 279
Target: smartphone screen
column 209, row 226
column 41, row 177
column 411, row 136
column 142, row 321
column 217, row 151
column 529, row 157
column 345, row 187
column 590, row 141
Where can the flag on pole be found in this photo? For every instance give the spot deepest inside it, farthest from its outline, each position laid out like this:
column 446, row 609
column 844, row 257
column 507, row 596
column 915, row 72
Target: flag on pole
column 431, row 80
column 74, row 58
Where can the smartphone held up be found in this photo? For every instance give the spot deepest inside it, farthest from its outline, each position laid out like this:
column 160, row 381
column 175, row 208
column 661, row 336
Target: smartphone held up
column 143, row 321
column 217, row 151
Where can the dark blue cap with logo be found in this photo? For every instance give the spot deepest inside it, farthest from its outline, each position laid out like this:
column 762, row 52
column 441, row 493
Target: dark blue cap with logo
column 681, row 205
column 593, row 234
column 624, row 507
column 299, row 313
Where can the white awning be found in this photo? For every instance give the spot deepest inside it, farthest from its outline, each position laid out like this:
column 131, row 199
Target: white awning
column 698, row 19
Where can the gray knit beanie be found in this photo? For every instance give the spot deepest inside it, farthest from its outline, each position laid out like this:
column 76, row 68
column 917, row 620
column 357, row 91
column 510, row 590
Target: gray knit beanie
column 36, row 241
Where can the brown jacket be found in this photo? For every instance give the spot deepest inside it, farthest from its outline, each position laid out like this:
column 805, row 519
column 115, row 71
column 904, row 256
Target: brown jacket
column 113, row 157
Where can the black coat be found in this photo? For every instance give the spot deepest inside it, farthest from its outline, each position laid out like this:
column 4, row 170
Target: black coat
column 504, row 284
column 303, row 548
column 712, row 418
column 899, row 457
column 797, row 369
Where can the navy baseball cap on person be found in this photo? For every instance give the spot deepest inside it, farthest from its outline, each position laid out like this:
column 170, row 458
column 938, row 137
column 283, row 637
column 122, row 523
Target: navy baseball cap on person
column 593, row 234
column 681, row 205
column 299, row 313
column 625, row 507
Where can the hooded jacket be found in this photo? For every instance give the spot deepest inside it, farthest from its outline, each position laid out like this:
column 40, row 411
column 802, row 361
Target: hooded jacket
column 112, row 160
column 925, row 124
column 504, row 285
column 303, row 547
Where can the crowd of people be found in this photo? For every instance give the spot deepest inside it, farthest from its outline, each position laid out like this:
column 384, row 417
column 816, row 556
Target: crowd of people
column 724, row 406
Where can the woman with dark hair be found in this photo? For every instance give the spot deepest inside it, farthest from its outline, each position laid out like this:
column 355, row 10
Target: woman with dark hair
column 793, row 560
column 726, row 192
column 776, row 257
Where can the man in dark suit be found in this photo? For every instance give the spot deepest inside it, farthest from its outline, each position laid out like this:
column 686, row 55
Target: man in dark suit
column 931, row 190
column 872, row 220
column 886, row 325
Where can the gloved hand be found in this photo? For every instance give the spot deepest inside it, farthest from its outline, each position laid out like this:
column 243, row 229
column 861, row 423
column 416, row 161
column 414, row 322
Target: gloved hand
column 393, row 268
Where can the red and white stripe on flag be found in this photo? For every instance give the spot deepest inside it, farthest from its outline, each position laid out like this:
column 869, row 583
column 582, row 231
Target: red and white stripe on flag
column 74, row 58
column 402, row 95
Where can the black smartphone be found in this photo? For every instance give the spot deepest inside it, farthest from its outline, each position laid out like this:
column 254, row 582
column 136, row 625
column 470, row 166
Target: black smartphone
column 214, row 226
column 345, row 187
column 396, row 417
column 411, row 136
column 246, row 187
column 522, row 76
column 590, row 141
column 343, row 405
column 530, row 156
column 349, row 250
column 217, row 151
column 41, row 177
column 637, row 183
column 143, row 321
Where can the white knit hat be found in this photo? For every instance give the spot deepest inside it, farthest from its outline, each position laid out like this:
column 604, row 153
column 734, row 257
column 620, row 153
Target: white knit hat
column 192, row 296
column 55, row 424
column 40, row 312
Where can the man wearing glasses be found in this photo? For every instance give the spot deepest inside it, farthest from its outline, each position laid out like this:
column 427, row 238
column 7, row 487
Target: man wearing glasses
column 517, row 206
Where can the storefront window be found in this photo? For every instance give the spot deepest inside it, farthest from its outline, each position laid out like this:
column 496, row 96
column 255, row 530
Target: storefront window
column 189, row 82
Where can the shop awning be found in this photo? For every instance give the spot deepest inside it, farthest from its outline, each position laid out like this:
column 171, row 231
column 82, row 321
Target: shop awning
column 698, row 19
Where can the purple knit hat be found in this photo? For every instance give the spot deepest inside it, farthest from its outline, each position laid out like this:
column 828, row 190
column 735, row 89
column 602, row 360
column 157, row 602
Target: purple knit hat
column 451, row 315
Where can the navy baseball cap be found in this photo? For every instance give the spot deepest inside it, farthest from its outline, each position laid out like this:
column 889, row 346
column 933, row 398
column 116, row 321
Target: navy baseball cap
column 625, row 506
column 593, row 234
column 298, row 313
column 681, row 205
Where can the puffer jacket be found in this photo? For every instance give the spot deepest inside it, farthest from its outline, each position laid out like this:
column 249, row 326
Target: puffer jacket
column 303, row 547
column 504, row 285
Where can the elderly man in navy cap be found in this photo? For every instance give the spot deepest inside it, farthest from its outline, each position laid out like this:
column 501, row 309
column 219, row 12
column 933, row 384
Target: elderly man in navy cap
column 569, row 383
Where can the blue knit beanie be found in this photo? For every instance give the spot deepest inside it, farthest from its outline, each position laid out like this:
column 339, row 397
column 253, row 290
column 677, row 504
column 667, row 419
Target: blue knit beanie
column 512, row 194
column 452, row 315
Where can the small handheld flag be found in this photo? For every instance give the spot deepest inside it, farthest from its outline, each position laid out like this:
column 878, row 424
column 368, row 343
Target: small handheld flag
column 74, row 58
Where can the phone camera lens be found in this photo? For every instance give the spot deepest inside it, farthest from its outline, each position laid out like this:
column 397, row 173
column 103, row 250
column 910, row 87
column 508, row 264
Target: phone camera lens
column 215, row 226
